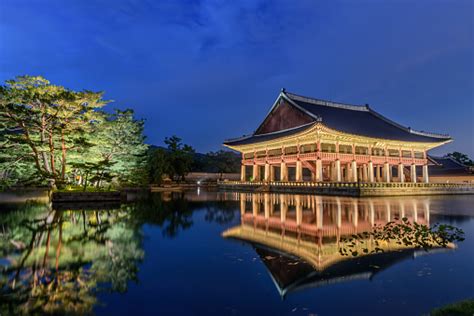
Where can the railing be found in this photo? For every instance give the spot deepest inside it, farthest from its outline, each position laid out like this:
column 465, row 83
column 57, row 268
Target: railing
column 347, row 184
column 333, row 156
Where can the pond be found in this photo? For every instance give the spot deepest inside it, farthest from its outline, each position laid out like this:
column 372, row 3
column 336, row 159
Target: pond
column 212, row 253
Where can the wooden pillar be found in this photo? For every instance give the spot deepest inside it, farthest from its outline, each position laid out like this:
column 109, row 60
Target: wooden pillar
column 370, row 169
column 299, row 171
column 426, row 178
column 401, row 174
column 354, row 176
column 242, row 173
column 413, row 173
column 283, row 172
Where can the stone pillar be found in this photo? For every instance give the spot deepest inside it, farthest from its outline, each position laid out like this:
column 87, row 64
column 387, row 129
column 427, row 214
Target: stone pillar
column 272, row 173
column 299, row 171
column 338, row 170
column 354, row 171
column 365, row 176
column 348, row 172
column 377, row 173
column 370, row 169
column 319, row 170
column 267, row 172
column 401, row 175
column 426, row 178
column 256, row 172
column 242, row 173
column 413, row 173
column 386, row 172
column 283, row 172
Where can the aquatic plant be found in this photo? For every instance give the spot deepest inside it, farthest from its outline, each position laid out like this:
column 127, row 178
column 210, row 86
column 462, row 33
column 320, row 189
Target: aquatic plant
column 397, row 235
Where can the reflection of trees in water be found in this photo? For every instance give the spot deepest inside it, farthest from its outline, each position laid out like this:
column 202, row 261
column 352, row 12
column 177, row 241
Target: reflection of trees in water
column 57, row 260
column 174, row 212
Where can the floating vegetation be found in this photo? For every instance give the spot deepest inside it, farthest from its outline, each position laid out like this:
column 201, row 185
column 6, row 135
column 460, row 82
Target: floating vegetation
column 399, row 235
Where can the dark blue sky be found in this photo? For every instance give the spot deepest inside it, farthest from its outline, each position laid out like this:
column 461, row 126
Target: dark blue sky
column 210, row 70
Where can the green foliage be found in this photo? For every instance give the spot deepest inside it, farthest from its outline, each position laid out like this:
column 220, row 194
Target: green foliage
column 463, row 308
column 180, row 157
column 461, row 158
column 400, row 234
column 56, row 135
column 157, row 165
column 222, row 161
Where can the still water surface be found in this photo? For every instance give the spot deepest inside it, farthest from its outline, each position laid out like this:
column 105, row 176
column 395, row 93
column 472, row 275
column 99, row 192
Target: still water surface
column 212, row 253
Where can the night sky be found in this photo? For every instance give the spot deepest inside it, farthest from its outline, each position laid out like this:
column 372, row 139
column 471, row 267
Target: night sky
column 210, row 70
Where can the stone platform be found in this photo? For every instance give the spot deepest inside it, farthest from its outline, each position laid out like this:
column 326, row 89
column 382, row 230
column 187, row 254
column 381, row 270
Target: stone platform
column 355, row 189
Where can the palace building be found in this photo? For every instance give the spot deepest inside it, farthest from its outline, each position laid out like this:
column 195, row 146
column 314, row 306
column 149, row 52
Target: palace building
column 306, row 139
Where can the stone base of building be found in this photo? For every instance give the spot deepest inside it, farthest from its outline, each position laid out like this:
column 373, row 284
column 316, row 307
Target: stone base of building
column 349, row 188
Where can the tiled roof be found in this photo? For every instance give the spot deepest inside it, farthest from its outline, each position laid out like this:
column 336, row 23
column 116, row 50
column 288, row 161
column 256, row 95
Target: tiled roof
column 347, row 118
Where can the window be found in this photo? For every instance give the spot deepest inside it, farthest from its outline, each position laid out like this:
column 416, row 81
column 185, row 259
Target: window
column 393, row 153
column 291, row 150
column 361, row 150
column 309, row 148
column 345, row 149
column 419, row 154
column 378, row 152
column 328, row 148
column 248, row 155
column 274, row 152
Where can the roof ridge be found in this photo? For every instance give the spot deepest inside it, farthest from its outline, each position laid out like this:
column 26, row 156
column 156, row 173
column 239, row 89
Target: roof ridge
column 326, row 102
column 430, row 134
column 364, row 108
column 270, row 133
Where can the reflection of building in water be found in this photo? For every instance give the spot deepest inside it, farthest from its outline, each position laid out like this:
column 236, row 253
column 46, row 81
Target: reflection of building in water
column 297, row 236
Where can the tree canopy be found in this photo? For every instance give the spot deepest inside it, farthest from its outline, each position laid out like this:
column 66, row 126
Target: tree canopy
column 61, row 136
column 461, row 158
